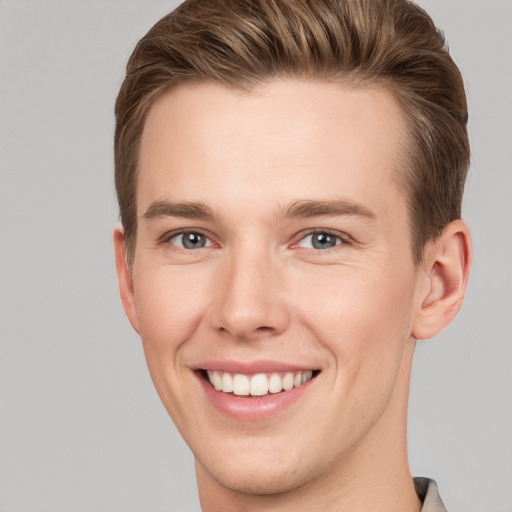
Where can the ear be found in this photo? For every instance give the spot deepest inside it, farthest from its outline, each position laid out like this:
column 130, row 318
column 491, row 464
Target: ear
column 124, row 275
column 445, row 271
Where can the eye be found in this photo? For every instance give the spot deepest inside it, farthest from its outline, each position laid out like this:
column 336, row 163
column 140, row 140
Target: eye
column 320, row 240
column 190, row 240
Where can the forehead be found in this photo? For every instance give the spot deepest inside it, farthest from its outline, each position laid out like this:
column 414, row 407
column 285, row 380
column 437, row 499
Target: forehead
column 296, row 138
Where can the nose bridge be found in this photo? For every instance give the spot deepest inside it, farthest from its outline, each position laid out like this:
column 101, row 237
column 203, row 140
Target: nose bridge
column 251, row 302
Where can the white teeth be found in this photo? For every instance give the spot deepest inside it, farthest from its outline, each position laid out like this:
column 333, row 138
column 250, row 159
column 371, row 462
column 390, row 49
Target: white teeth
column 288, row 381
column 275, row 384
column 257, row 385
column 227, row 383
column 215, row 379
column 241, row 384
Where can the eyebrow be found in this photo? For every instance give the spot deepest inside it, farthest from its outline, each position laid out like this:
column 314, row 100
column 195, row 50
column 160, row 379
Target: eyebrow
column 314, row 208
column 302, row 208
column 189, row 210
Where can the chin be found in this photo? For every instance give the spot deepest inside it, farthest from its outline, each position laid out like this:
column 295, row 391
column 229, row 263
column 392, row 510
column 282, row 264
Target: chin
column 260, row 481
column 258, row 472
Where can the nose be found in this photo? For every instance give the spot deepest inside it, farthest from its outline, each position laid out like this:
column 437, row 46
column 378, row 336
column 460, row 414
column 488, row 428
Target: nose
column 251, row 300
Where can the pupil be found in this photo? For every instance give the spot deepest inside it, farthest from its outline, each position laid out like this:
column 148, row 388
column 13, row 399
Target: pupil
column 323, row 241
column 193, row 240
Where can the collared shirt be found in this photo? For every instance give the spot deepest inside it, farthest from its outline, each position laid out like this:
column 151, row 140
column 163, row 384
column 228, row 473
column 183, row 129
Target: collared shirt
column 429, row 495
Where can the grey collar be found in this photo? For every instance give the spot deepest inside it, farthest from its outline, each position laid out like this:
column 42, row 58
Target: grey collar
column 429, row 495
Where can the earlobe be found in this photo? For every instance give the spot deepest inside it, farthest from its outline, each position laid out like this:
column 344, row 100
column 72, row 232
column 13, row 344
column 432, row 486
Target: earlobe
column 125, row 279
column 446, row 265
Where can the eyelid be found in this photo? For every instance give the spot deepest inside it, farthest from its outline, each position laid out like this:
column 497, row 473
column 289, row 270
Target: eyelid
column 342, row 236
column 169, row 235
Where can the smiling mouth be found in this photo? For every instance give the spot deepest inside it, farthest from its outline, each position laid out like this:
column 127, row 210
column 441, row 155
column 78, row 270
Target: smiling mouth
column 257, row 385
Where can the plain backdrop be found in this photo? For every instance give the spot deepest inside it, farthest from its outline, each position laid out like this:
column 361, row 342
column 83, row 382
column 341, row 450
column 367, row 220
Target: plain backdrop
column 81, row 427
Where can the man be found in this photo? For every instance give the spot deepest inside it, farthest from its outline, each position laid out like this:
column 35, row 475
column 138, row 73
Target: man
column 290, row 177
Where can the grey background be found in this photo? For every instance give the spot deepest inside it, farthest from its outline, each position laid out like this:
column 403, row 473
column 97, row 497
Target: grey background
column 81, row 428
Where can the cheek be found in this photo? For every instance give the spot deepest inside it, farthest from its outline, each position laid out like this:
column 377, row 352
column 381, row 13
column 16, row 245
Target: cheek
column 362, row 315
column 170, row 304
column 363, row 320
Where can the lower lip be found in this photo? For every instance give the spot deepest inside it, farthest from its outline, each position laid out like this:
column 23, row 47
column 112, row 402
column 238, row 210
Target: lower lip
column 253, row 408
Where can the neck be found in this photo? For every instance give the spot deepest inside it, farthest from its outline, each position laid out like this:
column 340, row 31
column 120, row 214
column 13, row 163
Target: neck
column 374, row 476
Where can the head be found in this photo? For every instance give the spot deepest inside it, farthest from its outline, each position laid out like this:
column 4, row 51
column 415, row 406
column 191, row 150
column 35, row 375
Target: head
column 290, row 176
column 242, row 44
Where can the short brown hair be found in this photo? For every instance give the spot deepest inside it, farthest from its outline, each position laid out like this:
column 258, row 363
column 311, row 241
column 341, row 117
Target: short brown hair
column 242, row 43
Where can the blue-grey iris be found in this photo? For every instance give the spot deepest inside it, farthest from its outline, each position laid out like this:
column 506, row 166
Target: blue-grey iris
column 193, row 240
column 323, row 240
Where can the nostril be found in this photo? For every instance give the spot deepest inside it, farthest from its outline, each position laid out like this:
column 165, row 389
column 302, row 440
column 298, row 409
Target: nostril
column 264, row 329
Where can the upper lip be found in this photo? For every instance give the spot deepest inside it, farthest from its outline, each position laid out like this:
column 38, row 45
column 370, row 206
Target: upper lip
column 252, row 367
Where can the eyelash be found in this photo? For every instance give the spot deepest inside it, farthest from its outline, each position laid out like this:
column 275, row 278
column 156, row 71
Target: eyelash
column 342, row 238
column 166, row 239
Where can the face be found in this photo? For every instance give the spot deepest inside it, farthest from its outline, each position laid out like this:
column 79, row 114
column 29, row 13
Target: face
column 273, row 283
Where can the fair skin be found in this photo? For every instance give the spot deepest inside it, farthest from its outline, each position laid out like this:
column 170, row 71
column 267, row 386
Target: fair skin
column 273, row 238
